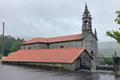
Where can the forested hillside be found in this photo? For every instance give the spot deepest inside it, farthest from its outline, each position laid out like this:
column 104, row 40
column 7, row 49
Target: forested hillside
column 109, row 48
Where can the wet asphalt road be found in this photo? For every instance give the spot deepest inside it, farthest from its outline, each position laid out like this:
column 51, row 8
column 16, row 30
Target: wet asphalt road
column 8, row 72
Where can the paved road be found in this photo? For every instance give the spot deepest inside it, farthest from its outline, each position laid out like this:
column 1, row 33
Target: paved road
column 8, row 72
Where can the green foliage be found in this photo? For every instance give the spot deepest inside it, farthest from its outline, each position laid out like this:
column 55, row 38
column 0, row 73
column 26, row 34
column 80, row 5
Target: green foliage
column 15, row 46
column 107, row 60
column 9, row 43
column 115, row 34
column 118, row 73
column 117, row 20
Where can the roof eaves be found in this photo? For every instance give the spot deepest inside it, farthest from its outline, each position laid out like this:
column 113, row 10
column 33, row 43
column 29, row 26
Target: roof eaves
column 79, row 54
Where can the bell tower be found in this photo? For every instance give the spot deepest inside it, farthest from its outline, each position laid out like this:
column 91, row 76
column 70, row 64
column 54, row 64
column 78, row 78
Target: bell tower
column 89, row 38
column 87, row 23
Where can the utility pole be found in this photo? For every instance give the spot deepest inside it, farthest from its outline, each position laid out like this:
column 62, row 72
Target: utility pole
column 3, row 24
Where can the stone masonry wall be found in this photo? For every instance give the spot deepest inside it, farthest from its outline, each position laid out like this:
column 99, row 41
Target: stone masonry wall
column 35, row 46
column 70, row 44
column 85, row 61
column 90, row 44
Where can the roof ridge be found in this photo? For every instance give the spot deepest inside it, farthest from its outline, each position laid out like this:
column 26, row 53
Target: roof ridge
column 54, row 39
column 64, row 36
column 52, row 49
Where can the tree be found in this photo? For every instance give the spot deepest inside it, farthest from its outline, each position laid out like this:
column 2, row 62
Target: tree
column 8, row 41
column 10, row 44
column 15, row 46
column 115, row 34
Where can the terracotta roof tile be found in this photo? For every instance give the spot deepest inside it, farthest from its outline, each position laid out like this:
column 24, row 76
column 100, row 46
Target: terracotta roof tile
column 46, row 55
column 54, row 39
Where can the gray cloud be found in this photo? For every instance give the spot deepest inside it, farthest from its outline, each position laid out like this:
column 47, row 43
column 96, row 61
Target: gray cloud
column 48, row 18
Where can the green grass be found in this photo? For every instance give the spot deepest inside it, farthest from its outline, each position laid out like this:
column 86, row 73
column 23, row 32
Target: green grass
column 118, row 73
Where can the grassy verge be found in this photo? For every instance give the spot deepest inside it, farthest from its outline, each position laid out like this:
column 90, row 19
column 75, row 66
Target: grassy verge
column 118, row 72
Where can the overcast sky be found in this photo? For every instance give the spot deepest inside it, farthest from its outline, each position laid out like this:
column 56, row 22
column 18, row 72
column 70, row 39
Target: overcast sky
column 50, row 18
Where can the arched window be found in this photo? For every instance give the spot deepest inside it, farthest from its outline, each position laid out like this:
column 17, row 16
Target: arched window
column 86, row 24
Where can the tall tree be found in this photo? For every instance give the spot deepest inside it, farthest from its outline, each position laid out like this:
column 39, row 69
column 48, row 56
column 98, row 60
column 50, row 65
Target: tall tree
column 115, row 34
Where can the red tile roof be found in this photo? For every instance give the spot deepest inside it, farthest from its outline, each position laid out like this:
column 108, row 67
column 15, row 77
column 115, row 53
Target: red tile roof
column 46, row 55
column 55, row 39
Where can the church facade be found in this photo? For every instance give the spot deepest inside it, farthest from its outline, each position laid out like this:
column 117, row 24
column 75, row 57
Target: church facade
column 85, row 43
